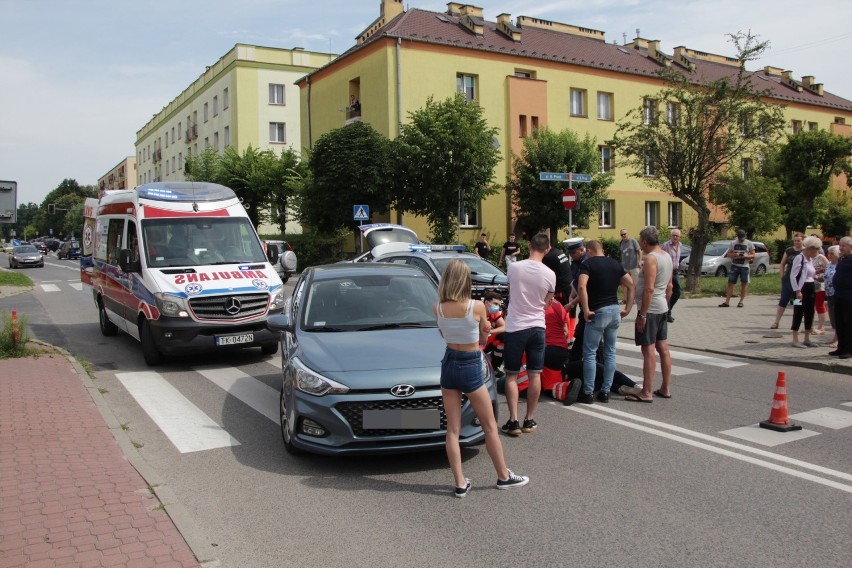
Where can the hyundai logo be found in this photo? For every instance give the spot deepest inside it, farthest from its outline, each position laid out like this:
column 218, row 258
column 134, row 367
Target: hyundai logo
column 402, row 390
column 233, row 306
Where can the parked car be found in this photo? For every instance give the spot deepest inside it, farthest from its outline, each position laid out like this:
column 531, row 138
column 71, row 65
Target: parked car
column 6, row 247
column 25, row 255
column 287, row 261
column 358, row 361
column 52, row 244
column 40, row 245
column 69, row 250
column 377, row 234
column 717, row 264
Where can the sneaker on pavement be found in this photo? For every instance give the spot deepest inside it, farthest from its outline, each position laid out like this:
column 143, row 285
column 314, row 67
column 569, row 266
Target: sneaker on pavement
column 512, row 481
column 462, row 491
column 624, row 390
column 669, row 319
column 512, row 428
column 584, row 398
column 529, row 425
column 573, row 392
column 602, row 397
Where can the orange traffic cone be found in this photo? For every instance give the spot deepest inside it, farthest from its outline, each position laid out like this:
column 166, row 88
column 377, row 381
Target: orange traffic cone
column 778, row 419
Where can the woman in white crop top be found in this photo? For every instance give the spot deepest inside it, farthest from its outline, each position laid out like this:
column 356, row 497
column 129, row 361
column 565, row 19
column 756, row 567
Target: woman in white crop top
column 463, row 323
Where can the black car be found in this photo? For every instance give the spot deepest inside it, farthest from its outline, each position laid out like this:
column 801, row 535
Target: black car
column 69, row 250
column 52, row 244
column 40, row 245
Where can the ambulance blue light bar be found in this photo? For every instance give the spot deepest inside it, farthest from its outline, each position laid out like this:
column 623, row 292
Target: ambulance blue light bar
column 185, row 191
column 430, row 248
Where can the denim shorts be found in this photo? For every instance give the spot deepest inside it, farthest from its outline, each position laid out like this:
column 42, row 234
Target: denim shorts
column 738, row 271
column 462, row 370
column 516, row 343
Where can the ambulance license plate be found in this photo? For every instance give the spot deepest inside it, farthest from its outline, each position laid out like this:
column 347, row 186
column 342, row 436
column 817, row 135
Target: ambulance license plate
column 234, row 339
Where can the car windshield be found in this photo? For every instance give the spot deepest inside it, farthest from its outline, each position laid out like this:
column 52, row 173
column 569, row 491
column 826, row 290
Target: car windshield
column 369, row 301
column 24, row 249
column 715, row 249
column 205, row 241
column 476, row 265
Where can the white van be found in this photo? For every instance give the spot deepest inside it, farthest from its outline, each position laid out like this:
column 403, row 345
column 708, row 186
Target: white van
column 179, row 266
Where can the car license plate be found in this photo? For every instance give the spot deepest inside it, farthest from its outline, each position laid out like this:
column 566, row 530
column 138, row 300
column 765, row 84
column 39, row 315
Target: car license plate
column 402, row 419
column 234, row 339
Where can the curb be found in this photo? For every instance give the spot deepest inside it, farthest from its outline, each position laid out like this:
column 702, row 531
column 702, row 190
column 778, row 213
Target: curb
column 180, row 516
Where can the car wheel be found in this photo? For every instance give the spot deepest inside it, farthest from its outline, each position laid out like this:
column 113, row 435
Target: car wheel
column 269, row 348
column 152, row 355
column 760, row 270
column 286, row 434
column 107, row 327
column 721, row 271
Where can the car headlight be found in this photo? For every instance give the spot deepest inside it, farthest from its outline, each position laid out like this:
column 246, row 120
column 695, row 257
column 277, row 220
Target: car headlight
column 170, row 305
column 312, row 383
column 277, row 299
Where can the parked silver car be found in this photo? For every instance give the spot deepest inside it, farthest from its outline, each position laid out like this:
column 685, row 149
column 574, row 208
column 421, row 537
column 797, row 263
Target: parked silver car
column 25, row 255
column 361, row 363
column 715, row 262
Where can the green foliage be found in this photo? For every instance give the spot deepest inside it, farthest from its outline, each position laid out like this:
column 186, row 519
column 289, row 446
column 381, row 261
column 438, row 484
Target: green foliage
column 612, row 248
column 752, row 202
column 778, row 248
column 835, row 217
column 539, row 203
column 313, row 249
column 13, row 338
column 445, row 155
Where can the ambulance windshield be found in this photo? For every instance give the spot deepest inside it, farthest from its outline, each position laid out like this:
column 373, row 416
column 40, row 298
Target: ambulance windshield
column 200, row 241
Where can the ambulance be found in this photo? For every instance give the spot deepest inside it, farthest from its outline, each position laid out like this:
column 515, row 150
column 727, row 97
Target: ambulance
column 180, row 267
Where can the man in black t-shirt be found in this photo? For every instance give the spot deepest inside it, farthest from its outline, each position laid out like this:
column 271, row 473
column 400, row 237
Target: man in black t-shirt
column 558, row 262
column 483, row 249
column 511, row 251
column 600, row 278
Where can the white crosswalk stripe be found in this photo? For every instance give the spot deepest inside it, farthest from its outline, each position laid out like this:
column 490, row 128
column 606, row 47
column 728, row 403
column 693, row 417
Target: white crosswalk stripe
column 691, row 357
column 254, row 393
column 49, row 287
column 677, row 371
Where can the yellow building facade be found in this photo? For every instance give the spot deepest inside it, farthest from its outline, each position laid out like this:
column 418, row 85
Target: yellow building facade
column 525, row 74
column 122, row 176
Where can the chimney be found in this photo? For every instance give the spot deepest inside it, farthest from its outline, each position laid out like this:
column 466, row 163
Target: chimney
column 787, row 79
column 471, row 18
column 505, row 27
column 774, row 71
column 815, row 88
column 655, row 53
column 681, row 59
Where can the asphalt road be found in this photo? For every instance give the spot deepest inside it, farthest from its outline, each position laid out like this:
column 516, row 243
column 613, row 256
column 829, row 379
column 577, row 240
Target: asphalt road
column 662, row 484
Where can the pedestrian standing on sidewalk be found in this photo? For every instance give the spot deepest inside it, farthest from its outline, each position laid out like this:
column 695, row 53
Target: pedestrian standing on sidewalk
column 833, row 259
column 784, row 268
column 532, row 285
column 511, row 251
column 820, row 309
column 672, row 246
column 802, row 281
column 463, row 323
column 631, row 255
column 483, row 249
column 741, row 253
column 653, row 290
column 600, row 278
column 842, row 283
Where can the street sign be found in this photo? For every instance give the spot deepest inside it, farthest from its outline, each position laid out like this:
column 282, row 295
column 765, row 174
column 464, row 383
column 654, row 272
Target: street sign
column 569, row 198
column 361, row 212
column 8, row 201
column 564, row 176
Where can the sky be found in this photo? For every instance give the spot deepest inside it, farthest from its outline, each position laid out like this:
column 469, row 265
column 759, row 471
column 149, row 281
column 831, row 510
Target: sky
column 81, row 77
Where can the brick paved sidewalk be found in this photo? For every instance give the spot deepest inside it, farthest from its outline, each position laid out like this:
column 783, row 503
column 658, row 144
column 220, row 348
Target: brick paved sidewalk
column 68, row 495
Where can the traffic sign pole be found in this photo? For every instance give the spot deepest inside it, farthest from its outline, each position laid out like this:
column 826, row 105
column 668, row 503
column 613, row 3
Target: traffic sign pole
column 570, row 177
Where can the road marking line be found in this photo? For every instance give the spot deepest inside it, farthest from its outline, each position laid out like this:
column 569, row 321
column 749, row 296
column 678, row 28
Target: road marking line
column 833, row 418
column 76, row 285
column 275, row 361
column 249, row 390
column 188, row 428
column 757, row 435
column 692, row 357
column 714, row 449
column 676, row 371
column 729, row 443
column 49, row 287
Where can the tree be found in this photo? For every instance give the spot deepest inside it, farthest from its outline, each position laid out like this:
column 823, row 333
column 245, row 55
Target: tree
column 348, row 166
column 539, row 203
column 67, row 219
column 752, row 202
column 835, row 212
column 445, row 160
column 286, row 173
column 804, row 166
column 203, row 166
column 708, row 125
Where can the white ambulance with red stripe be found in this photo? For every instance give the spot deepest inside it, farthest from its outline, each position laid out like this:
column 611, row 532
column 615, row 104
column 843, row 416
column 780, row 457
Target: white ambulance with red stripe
column 179, row 266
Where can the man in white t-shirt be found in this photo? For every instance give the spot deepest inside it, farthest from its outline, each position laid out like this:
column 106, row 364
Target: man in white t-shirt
column 531, row 287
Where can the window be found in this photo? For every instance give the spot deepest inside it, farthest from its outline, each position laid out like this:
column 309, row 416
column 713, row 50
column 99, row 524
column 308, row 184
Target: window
column 226, row 99
column 607, row 217
column 522, row 125
column 650, row 167
column 652, row 213
column 761, row 128
column 276, row 94
column 180, row 160
column 839, row 120
column 795, row 126
column 277, row 132
column 524, row 74
column 745, row 167
column 578, row 102
column 206, row 142
column 174, row 165
column 605, row 106
column 675, row 213
column 813, row 127
column 216, row 141
column 216, row 106
column 470, row 217
column 205, row 112
column 466, row 85
column 227, row 140
column 534, row 123
column 672, row 113
column 167, row 138
column 649, row 111
column 744, row 124
column 606, row 158
column 173, row 133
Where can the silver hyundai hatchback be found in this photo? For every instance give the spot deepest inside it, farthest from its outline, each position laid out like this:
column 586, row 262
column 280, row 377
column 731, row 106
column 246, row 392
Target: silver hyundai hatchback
column 361, row 363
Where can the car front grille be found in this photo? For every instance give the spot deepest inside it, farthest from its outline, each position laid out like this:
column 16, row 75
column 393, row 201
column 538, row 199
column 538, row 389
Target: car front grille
column 353, row 412
column 229, row 307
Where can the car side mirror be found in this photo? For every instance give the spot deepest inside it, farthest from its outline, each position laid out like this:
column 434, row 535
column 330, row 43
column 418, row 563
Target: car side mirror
column 126, row 262
column 272, row 253
column 280, row 322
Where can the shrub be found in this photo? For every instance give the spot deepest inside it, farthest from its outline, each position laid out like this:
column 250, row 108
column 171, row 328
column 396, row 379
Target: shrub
column 313, row 249
column 13, row 343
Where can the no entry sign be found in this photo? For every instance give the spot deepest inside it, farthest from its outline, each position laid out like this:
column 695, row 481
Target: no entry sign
column 569, row 198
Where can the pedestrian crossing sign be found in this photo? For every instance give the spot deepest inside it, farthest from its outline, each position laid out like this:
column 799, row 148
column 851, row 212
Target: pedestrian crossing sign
column 361, row 212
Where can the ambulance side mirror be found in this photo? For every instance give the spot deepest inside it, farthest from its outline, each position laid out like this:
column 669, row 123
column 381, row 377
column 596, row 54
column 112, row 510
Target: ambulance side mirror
column 126, row 262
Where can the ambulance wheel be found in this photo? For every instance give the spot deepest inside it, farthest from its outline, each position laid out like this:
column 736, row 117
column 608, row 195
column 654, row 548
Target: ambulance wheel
column 152, row 355
column 107, row 327
column 269, row 348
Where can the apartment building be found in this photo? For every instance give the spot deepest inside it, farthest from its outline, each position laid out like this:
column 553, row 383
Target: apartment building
column 122, row 176
column 531, row 73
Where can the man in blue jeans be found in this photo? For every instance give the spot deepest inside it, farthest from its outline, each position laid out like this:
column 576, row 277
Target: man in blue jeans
column 741, row 253
column 598, row 283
